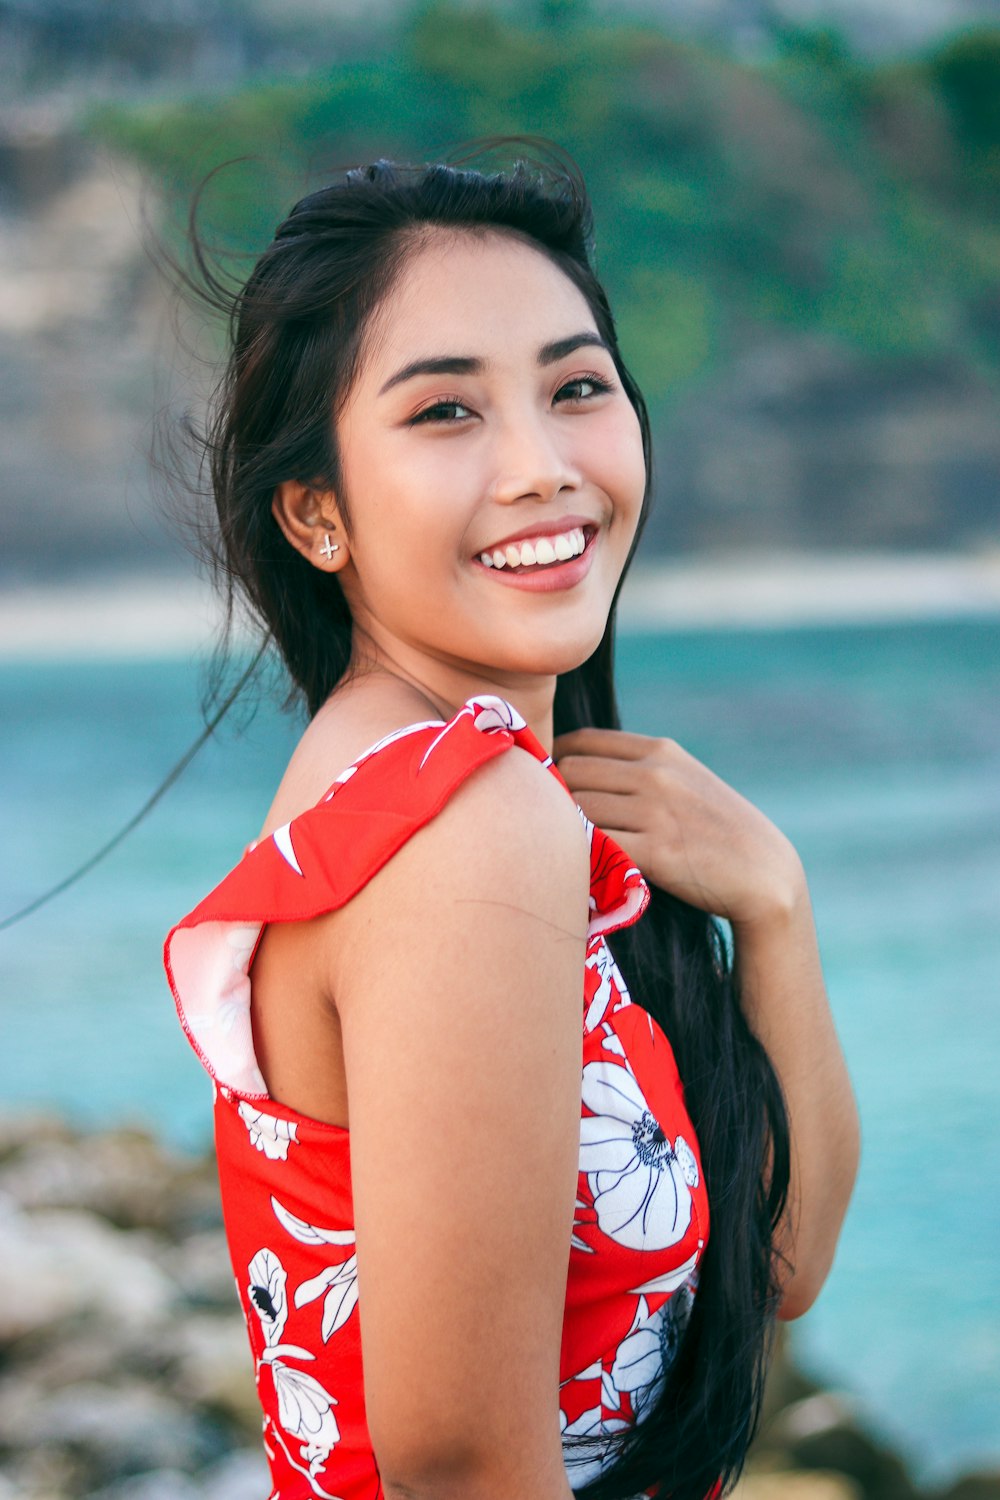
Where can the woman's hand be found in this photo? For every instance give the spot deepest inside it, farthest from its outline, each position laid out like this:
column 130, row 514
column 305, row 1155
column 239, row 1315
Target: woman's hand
column 694, row 836
column 687, row 830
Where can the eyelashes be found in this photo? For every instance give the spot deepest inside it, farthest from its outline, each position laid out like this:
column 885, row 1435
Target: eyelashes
column 449, row 404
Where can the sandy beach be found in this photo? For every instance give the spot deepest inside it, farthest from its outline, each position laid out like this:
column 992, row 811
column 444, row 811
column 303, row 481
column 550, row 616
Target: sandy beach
column 136, row 617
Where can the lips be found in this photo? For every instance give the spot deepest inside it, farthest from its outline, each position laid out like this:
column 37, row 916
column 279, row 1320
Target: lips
column 555, row 527
column 545, row 578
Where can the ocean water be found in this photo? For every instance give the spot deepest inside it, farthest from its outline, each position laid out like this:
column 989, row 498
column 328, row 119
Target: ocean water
column 877, row 750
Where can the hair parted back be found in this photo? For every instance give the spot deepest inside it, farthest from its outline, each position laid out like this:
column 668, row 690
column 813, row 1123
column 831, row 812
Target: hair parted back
column 298, row 327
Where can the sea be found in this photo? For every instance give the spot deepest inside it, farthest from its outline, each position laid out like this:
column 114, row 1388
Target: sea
column 875, row 748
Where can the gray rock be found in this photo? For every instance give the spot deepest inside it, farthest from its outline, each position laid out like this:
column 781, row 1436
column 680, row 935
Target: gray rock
column 65, row 1262
column 124, row 1176
column 795, row 1485
column 199, row 1265
column 156, row 1484
column 242, row 1476
column 211, row 1366
column 822, row 1432
column 119, row 1430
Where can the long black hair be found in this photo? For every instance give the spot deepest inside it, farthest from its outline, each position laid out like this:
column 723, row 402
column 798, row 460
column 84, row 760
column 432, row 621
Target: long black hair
column 297, row 326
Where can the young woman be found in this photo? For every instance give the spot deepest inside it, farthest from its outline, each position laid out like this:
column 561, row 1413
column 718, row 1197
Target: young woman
column 518, row 1164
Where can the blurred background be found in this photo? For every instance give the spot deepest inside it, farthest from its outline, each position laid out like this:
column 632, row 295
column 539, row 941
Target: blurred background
column 797, row 221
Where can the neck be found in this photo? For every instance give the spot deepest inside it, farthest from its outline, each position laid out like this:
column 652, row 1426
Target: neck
column 445, row 685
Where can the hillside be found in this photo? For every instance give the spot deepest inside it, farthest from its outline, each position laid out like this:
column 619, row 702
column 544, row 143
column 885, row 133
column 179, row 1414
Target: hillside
column 802, row 247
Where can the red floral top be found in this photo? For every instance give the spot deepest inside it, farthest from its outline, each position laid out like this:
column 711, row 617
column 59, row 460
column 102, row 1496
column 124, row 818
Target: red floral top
column 641, row 1220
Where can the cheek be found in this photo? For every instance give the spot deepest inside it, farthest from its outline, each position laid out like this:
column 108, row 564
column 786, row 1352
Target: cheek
column 619, row 465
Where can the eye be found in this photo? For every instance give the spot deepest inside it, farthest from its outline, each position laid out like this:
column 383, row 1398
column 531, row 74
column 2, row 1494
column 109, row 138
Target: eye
column 439, row 412
column 599, row 387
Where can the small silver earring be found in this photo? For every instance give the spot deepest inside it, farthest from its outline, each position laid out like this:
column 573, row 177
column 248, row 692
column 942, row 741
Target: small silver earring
column 329, row 548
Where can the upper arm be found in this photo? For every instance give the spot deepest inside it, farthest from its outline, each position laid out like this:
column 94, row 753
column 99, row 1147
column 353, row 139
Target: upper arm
column 457, row 974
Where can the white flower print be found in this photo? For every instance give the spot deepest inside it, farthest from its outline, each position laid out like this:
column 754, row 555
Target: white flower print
column 266, row 1292
column 309, row 1234
column 305, row 1408
column 686, row 1161
column 669, row 1281
column 601, row 961
column 612, row 1042
column 338, row 1283
column 638, row 1362
column 640, row 1195
column 495, row 713
column 267, row 1133
column 574, row 1239
column 585, row 1463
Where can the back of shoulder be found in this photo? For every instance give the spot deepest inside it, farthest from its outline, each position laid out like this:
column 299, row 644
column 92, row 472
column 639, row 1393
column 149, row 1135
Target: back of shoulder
column 510, row 808
column 507, row 845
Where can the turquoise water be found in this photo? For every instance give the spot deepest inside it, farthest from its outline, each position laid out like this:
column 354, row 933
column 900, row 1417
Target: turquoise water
column 878, row 752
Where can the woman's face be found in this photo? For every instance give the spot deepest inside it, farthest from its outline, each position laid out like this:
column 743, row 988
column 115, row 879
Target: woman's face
column 486, row 415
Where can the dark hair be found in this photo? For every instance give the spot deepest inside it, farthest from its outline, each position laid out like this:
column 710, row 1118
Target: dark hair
column 297, row 327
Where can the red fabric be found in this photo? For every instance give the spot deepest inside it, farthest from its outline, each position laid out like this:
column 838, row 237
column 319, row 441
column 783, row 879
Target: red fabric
column 642, row 1211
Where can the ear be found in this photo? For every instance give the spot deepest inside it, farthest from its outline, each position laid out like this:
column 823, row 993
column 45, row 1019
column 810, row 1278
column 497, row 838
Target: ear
column 310, row 521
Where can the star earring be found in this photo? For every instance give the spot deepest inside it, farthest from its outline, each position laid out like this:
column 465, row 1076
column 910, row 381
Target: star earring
column 329, row 548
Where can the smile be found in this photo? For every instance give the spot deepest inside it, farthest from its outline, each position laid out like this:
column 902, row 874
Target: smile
column 539, row 552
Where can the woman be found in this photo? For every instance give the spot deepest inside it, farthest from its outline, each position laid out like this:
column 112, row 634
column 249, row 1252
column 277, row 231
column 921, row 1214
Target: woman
column 431, row 467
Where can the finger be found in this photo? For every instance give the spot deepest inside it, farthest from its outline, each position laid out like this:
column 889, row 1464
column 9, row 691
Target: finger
column 618, row 744
column 612, row 810
column 597, row 773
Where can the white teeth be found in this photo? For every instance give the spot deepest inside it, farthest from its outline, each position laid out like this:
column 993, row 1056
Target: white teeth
column 542, row 551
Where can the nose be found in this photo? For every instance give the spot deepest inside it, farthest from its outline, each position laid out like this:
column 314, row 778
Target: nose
column 532, row 462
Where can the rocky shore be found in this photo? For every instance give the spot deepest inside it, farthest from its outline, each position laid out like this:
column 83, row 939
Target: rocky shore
column 124, row 1369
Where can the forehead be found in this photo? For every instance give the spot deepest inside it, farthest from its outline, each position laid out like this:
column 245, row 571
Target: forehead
column 488, row 295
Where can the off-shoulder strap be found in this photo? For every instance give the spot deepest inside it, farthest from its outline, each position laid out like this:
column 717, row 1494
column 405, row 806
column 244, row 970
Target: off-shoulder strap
column 319, row 860
column 315, row 864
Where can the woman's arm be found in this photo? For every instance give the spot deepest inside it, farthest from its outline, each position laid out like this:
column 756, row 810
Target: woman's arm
column 456, row 975
column 785, row 1002
column 692, row 834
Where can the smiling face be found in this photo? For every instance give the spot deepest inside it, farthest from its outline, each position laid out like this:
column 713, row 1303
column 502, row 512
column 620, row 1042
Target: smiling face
column 486, row 414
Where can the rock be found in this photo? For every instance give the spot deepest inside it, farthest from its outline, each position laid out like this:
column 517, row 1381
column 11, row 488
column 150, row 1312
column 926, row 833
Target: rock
column 124, row 1176
column 212, row 1367
column 199, row 1265
column 156, row 1484
column 242, row 1476
column 23, row 1128
column 822, row 1432
column 64, row 1262
column 47, row 1473
column 795, row 1485
column 118, row 1429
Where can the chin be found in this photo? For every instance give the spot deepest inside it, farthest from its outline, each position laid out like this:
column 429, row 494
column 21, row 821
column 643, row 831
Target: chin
column 556, row 661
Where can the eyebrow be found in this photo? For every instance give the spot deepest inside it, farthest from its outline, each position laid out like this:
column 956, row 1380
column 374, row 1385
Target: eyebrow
column 465, row 364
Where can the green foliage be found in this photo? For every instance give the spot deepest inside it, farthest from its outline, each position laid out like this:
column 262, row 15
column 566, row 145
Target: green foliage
column 728, row 196
column 967, row 71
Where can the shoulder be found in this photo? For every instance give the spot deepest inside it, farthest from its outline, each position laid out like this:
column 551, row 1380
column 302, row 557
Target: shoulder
column 508, row 826
column 503, row 865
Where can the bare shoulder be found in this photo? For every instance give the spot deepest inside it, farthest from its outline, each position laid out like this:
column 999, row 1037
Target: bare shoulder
column 506, row 857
